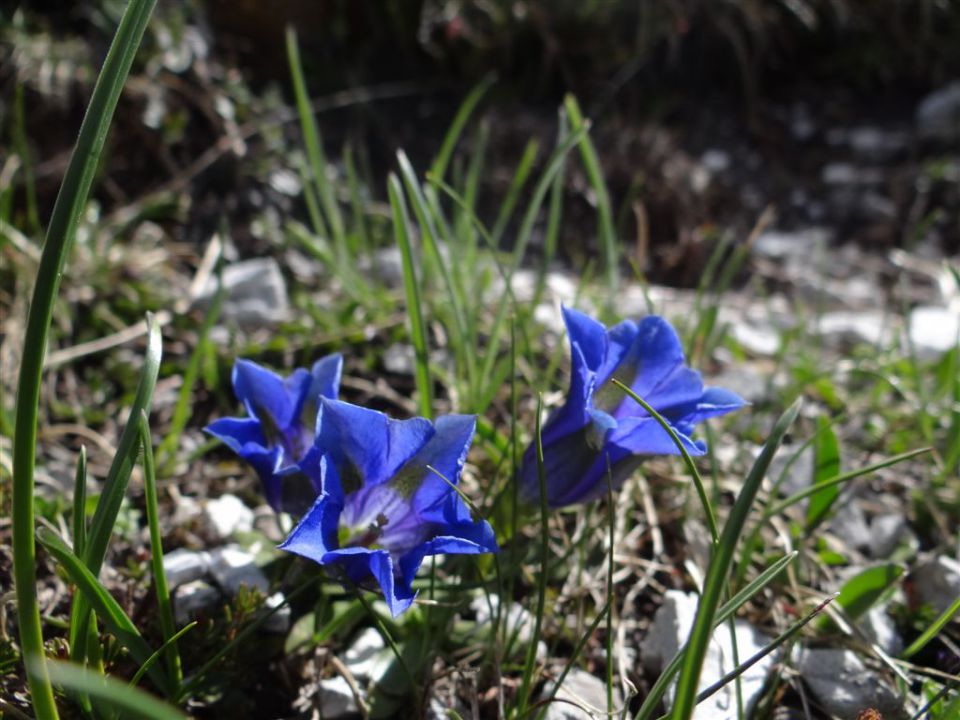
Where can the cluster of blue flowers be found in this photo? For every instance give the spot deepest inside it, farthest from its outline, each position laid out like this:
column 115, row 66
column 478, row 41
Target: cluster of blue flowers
column 376, row 496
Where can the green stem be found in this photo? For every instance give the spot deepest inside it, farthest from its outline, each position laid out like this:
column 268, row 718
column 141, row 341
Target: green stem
column 60, row 233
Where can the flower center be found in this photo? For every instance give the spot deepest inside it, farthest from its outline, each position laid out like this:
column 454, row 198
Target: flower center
column 367, row 536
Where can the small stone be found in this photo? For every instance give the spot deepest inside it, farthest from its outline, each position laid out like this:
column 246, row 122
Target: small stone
column 938, row 115
column 267, row 522
column 399, row 358
column 588, row 692
column 670, row 630
column 192, row 598
column 285, row 182
column 934, row 330
column 183, row 566
column 887, row 530
column 757, row 339
column 852, row 328
column 227, row 515
column 279, row 622
column 231, row 567
column 844, row 686
column 849, row 523
column 879, row 628
column 745, row 380
column 779, row 244
column 716, row 160
column 840, row 173
column 936, row 583
column 336, row 699
column 255, row 292
column 517, row 621
column 367, row 657
column 875, row 144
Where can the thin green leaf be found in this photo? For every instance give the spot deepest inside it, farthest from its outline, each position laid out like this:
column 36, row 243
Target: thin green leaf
column 411, row 286
column 80, row 502
column 725, row 612
column 130, row 701
column 440, row 163
column 826, row 466
column 161, row 651
column 69, row 205
column 591, row 163
column 862, row 591
column 720, row 566
column 107, row 609
column 164, row 606
column 115, row 485
column 688, row 461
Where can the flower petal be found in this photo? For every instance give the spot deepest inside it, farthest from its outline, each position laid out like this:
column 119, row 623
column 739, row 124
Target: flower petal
column 365, row 446
column 645, row 436
column 432, row 497
column 316, row 533
column 588, row 334
column 360, row 563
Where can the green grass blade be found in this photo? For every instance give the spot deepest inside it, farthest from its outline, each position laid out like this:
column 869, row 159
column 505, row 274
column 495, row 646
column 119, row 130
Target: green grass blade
column 164, row 606
column 170, row 642
column 720, row 567
column 931, row 632
column 762, row 653
column 607, row 228
column 517, row 184
column 167, row 450
column 779, row 507
column 129, row 701
column 314, row 145
column 726, row 612
column 107, row 609
column 826, row 453
column 531, row 659
column 61, row 231
column 115, row 485
column 80, row 502
column 863, row 590
column 688, row 461
column 418, row 335
column 439, row 167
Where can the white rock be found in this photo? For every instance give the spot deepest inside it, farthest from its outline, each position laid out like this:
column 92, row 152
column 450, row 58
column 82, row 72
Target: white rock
column 879, row 628
column 336, row 698
column 367, row 657
column 587, row 691
column 191, row 598
column 231, row 566
column 183, row 565
column 671, row 628
column 227, row 515
column 938, row 115
column 873, row 143
column 757, row 339
column 934, row 330
column 279, row 622
column 936, row 582
column 255, row 292
column 777, row 244
column 849, row 523
column 844, row 686
column 849, row 328
column 840, row 173
column 887, row 530
column 516, row 621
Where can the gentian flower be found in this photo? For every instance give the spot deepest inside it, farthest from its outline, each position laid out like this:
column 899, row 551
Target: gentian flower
column 600, row 429
column 381, row 510
column 280, row 427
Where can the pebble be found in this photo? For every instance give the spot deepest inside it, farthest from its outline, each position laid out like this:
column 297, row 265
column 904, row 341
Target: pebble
column 367, row 657
column 936, row 583
column 879, row 628
column 336, row 699
column 588, row 692
column 183, row 566
column 517, row 619
column 255, row 293
column 227, row 515
column 851, row 328
column 192, row 598
column 934, row 330
column 938, row 115
column 232, row 567
column 670, row 630
column 844, row 686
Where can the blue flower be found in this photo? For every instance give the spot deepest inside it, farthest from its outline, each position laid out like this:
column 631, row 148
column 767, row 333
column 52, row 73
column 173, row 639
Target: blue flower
column 280, row 427
column 381, row 510
column 601, row 429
